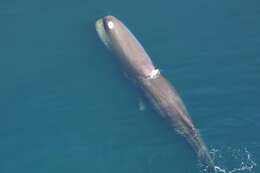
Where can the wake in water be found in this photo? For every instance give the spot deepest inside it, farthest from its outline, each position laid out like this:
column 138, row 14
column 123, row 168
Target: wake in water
column 233, row 161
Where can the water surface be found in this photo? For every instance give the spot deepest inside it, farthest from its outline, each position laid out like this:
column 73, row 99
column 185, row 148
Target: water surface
column 66, row 107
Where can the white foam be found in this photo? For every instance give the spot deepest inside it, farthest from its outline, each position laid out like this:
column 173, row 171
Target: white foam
column 241, row 157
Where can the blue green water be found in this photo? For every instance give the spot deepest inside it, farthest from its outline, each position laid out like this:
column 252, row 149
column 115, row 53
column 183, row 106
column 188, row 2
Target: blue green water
column 66, row 107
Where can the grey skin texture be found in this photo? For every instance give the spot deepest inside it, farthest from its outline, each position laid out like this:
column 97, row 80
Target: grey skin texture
column 162, row 95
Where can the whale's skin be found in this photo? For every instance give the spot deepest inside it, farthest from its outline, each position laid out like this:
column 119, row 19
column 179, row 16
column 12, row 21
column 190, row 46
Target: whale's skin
column 161, row 94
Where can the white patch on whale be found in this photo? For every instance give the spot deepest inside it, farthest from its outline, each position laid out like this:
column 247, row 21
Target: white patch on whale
column 110, row 25
column 154, row 73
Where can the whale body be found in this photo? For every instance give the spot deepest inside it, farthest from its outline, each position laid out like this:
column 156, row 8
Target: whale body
column 161, row 94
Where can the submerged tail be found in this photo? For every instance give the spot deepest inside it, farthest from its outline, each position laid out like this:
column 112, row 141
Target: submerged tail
column 202, row 152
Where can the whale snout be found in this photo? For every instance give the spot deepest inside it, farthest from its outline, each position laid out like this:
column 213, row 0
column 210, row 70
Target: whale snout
column 109, row 22
column 106, row 27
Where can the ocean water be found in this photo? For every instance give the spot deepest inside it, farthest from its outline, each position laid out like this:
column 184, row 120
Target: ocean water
column 65, row 105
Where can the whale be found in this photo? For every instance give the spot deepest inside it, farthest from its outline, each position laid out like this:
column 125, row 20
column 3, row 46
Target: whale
column 136, row 62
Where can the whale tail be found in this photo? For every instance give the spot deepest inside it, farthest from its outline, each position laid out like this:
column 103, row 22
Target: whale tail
column 207, row 160
column 202, row 152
